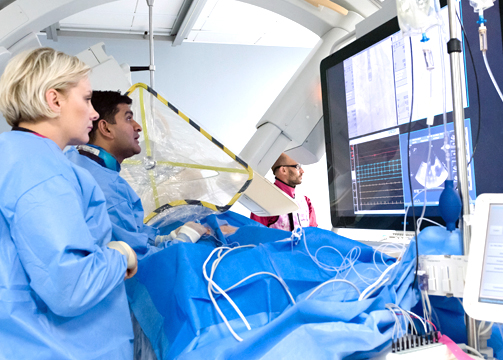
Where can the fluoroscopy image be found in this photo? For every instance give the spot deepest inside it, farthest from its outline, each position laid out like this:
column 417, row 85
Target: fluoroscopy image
column 422, row 175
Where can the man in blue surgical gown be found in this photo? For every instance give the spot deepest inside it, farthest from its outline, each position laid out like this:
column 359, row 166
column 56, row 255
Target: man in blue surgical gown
column 114, row 137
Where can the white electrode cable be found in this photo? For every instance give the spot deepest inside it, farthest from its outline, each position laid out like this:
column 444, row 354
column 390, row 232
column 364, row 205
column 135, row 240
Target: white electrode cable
column 407, row 211
column 398, row 323
column 430, row 66
column 348, row 261
column 492, row 76
column 377, row 284
column 474, row 351
column 212, row 284
column 486, row 330
column 332, row 281
column 214, row 288
column 407, row 320
column 428, row 169
column 400, row 247
column 420, row 319
column 434, row 223
column 280, row 280
column 483, row 49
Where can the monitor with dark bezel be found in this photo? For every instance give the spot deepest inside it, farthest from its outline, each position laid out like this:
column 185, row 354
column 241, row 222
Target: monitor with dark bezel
column 369, row 88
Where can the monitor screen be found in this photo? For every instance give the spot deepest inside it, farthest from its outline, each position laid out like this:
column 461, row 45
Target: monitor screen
column 491, row 286
column 483, row 291
column 377, row 148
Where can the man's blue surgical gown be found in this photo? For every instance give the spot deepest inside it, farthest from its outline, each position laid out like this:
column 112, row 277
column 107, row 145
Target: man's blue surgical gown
column 124, row 206
column 62, row 293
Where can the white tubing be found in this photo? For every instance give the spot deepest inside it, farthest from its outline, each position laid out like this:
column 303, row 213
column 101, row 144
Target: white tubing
column 332, row 281
column 492, row 76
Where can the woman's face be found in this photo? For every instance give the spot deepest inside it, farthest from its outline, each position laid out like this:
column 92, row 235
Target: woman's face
column 77, row 113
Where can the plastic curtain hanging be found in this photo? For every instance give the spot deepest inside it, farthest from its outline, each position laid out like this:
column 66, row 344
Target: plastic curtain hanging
column 182, row 172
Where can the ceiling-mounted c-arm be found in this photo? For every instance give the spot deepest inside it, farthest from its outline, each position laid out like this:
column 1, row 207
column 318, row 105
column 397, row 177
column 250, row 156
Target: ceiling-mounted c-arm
column 22, row 19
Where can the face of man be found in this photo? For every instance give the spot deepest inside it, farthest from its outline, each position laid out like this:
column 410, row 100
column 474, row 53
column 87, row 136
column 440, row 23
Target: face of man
column 294, row 176
column 126, row 132
column 289, row 174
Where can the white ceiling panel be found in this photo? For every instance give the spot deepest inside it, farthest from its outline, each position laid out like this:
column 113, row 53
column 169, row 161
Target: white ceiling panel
column 205, row 13
column 162, row 7
column 280, row 38
column 220, row 21
column 98, row 20
column 162, row 23
column 224, row 38
column 249, row 22
column 231, row 14
column 120, row 7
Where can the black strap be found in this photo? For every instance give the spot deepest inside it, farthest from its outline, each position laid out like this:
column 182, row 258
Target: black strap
column 18, row 128
column 292, row 225
column 92, row 156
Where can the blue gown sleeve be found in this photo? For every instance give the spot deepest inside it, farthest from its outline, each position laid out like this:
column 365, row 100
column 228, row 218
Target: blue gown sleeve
column 128, row 227
column 69, row 269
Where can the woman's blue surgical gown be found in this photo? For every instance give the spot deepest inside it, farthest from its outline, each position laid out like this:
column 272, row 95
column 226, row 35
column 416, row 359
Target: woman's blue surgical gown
column 62, row 293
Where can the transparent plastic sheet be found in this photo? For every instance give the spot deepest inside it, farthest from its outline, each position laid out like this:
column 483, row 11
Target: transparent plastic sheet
column 179, row 214
column 180, row 164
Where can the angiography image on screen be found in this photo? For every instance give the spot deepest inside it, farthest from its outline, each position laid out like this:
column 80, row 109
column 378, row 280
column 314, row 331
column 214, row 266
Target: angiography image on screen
column 379, row 83
column 370, row 72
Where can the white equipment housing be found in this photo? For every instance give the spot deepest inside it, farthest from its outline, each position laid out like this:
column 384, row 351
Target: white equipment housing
column 106, row 73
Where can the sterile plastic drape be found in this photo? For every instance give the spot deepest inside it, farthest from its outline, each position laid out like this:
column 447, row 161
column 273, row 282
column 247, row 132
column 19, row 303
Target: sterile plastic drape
column 182, row 172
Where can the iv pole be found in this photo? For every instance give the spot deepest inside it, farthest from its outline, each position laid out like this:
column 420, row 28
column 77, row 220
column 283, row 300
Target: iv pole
column 151, row 68
column 454, row 49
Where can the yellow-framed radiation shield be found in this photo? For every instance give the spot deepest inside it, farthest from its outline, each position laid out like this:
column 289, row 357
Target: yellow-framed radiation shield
column 182, row 173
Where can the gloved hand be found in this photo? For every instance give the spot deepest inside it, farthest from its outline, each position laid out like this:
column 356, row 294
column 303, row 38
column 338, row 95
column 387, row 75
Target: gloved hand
column 132, row 260
column 191, row 231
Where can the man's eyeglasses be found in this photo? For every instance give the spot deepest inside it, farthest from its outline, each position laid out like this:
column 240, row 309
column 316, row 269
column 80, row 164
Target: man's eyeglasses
column 297, row 166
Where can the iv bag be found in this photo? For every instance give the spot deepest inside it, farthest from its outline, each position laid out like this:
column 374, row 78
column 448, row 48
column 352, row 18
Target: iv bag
column 416, row 16
column 481, row 5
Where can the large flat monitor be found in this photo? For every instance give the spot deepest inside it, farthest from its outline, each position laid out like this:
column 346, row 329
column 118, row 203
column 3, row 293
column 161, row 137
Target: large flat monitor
column 483, row 294
column 372, row 139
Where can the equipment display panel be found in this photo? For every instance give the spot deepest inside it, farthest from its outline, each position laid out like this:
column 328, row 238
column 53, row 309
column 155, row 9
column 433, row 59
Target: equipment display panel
column 483, row 294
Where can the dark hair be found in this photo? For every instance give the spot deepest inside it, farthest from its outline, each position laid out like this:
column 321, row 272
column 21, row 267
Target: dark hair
column 105, row 103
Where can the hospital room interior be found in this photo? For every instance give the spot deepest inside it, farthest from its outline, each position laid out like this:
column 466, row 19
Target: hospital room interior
column 389, row 112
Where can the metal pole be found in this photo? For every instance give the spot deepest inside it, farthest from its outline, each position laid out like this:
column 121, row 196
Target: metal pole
column 150, row 4
column 454, row 49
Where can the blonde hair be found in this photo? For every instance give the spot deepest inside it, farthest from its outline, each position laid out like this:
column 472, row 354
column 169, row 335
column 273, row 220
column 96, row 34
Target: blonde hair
column 28, row 77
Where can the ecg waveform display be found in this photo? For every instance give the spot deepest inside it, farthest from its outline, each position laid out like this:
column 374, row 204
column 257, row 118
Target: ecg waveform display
column 377, row 175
